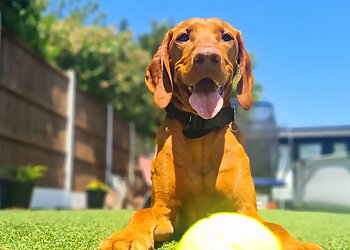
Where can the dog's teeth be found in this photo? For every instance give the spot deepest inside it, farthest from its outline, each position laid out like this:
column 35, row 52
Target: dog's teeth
column 190, row 88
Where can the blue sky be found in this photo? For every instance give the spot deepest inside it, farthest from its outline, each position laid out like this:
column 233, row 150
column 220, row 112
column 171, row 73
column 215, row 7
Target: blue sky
column 302, row 49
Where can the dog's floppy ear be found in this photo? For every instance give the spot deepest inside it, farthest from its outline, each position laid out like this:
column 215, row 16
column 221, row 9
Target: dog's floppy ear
column 245, row 77
column 158, row 74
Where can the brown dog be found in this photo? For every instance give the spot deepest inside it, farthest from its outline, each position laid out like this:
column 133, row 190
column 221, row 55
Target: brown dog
column 200, row 167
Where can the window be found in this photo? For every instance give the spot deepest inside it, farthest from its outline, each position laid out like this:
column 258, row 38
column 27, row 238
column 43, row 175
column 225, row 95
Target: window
column 310, row 150
column 340, row 147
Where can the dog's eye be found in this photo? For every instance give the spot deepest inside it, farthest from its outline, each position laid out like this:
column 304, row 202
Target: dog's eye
column 226, row 37
column 183, row 37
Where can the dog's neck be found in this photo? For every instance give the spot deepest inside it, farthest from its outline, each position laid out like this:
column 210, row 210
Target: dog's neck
column 196, row 126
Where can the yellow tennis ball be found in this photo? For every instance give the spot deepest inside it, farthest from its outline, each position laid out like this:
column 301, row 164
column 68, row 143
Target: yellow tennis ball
column 228, row 231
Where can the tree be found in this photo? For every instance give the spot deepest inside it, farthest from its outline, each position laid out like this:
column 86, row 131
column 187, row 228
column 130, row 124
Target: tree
column 22, row 17
column 153, row 40
column 257, row 89
column 83, row 11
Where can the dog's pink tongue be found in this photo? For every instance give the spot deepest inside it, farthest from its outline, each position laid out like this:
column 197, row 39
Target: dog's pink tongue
column 206, row 100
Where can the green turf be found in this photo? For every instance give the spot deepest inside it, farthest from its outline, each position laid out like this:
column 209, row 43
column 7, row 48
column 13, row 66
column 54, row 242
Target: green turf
column 43, row 230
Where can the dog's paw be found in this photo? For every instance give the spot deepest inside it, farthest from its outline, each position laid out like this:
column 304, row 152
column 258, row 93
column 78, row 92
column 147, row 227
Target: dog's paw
column 128, row 239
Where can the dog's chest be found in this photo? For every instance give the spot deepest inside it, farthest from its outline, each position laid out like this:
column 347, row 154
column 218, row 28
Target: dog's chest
column 196, row 166
column 199, row 156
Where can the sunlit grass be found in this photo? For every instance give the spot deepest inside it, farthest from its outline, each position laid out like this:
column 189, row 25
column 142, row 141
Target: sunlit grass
column 85, row 229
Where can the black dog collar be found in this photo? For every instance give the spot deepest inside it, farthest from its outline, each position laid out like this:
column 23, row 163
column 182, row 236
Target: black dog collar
column 198, row 126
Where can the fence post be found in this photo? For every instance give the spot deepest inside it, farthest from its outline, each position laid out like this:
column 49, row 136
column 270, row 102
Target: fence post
column 0, row 37
column 69, row 158
column 109, row 143
column 132, row 154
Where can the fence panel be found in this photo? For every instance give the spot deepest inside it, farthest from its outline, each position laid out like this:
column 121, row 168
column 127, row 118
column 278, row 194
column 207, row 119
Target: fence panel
column 33, row 120
column 33, row 97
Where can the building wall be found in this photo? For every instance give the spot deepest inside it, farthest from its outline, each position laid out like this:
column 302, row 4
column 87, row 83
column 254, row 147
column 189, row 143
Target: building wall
column 315, row 166
column 324, row 183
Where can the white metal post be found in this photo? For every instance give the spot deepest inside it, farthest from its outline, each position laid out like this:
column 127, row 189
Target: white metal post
column 109, row 143
column 131, row 170
column 69, row 159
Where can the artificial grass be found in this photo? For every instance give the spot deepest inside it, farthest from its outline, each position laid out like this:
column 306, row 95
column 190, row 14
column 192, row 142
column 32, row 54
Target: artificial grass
column 49, row 229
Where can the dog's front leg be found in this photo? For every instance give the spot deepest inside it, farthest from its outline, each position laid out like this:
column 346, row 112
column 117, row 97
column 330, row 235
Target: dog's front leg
column 138, row 234
column 145, row 226
column 150, row 224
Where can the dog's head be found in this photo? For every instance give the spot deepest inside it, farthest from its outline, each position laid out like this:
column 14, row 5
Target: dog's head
column 196, row 64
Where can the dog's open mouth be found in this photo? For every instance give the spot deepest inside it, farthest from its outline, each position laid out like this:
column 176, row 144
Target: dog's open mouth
column 206, row 98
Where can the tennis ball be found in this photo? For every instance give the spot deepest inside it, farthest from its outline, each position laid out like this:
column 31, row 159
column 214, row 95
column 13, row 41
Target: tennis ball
column 228, row 231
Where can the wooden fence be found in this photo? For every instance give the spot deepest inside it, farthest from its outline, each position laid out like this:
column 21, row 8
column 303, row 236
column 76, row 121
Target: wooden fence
column 33, row 121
